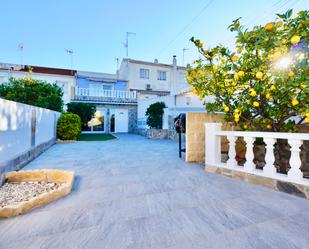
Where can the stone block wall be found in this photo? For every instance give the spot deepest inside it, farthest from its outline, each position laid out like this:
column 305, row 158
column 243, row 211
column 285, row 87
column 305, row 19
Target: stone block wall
column 195, row 134
column 287, row 187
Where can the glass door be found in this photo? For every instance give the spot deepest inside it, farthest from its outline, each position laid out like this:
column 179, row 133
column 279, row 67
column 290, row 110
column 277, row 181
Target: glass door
column 97, row 123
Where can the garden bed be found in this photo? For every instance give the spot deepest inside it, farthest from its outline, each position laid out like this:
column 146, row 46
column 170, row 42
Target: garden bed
column 26, row 190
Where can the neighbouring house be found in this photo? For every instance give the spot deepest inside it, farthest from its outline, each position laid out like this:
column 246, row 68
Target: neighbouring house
column 152, row 78
column 154, row 82
column 116, row 104
column 65, row 78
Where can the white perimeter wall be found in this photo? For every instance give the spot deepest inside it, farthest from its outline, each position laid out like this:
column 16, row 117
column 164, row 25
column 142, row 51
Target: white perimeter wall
column 15, row 128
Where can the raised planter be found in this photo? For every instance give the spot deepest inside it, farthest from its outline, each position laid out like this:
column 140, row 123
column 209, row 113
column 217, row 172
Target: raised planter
column 65, row 178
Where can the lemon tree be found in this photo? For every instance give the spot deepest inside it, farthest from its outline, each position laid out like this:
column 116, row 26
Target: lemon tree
column 263, row 85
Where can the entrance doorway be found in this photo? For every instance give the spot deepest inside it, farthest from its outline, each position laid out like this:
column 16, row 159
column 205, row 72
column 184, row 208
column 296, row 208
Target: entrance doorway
column 119, row 120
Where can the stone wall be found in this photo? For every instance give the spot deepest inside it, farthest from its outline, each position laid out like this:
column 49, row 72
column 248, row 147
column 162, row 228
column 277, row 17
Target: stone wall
column 21, row 160
column 287, row 187
column 153, row 133
column 195, row 134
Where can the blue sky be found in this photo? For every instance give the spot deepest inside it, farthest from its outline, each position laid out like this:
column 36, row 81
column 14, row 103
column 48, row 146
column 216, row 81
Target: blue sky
column 95, row 29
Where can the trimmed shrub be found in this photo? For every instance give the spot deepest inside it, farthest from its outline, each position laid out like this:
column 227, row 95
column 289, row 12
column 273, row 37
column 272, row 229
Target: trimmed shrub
column 154, row 115
column 69, row 126
column 84, row 110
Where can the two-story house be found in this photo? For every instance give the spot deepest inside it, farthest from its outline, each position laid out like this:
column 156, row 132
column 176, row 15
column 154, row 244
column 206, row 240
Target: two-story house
column 150, row 79
column 116, row 106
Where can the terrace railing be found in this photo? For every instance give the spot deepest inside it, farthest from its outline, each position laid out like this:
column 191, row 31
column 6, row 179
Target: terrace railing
column 98, row 94
column 214, row 134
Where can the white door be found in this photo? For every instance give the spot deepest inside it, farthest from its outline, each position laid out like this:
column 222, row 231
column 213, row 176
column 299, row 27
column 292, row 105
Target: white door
column 121, row 120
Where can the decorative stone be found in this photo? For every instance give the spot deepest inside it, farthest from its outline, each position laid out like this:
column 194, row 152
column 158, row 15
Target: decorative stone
column 290, row 188
column 33, row 178
column 260, row 180
column 227, row 172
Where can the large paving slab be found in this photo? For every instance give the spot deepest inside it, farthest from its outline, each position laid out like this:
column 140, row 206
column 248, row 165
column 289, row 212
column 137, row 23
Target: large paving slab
column 136, row 193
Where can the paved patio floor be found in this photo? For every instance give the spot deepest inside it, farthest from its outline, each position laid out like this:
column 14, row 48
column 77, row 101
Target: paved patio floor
column 135, row 193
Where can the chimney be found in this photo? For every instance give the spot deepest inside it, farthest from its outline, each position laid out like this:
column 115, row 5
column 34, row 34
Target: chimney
column 174, row 77
column 174, row 60
column 156, row 61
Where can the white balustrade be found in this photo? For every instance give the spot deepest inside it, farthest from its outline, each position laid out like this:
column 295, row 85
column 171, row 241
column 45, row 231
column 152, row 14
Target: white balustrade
column 232, row 151
column 249, row 164
column 295, row 162
column 213, row 134
column 269, row 168
column 100, row 93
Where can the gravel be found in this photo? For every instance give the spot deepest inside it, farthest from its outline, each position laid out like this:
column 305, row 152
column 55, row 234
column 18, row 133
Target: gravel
column 14, row 193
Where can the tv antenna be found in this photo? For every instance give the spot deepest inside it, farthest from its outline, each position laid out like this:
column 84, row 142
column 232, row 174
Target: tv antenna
column 70, row 52
column 21, row 49
column 183, row 55
column 126, row 44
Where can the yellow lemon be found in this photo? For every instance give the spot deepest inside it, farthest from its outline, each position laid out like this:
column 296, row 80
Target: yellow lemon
column 294, row 102
column 279, row 24
column 269, row 26
column 290, row 73
column 256, row 104
column 234, row 83
column 241, row 73
column 236, row 111
column 268, row 126
column 272, row 88
column 229, row 91
column 226, row 108
column 195, row 92
column 259, row 75
column 236, row 76
column 295, row 39
column 307, row 120
column 307, row 114
column 234, row 58
column 303, row 86
column 252, row 92
column 277, row 55
column 245, row 126
column 268, row 96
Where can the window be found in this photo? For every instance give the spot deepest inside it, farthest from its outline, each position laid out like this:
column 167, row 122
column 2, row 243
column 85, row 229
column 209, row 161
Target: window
column 144, row 73
column 107, row 87
column 161, row 75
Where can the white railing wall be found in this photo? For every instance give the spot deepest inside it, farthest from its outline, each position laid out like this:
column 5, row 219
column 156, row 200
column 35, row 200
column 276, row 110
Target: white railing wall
column 213, row 134
column 23, row 127
column 86, row 92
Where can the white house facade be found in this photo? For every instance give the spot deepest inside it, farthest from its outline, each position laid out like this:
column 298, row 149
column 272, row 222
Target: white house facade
column 121, row 99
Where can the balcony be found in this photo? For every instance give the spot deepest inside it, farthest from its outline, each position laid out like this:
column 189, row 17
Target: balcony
column 104, row 96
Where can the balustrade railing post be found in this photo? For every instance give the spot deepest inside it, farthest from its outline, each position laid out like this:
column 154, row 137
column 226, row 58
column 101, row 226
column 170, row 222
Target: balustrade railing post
column 232, row 151
column 249, row 164
column 295, row 174
column 212, row 144
column 269, row 168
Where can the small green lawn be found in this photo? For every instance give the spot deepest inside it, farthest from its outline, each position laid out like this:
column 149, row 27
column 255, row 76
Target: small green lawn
column 96, row 137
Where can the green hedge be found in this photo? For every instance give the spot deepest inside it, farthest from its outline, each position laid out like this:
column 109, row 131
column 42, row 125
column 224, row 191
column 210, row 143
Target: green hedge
column 69, row 126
